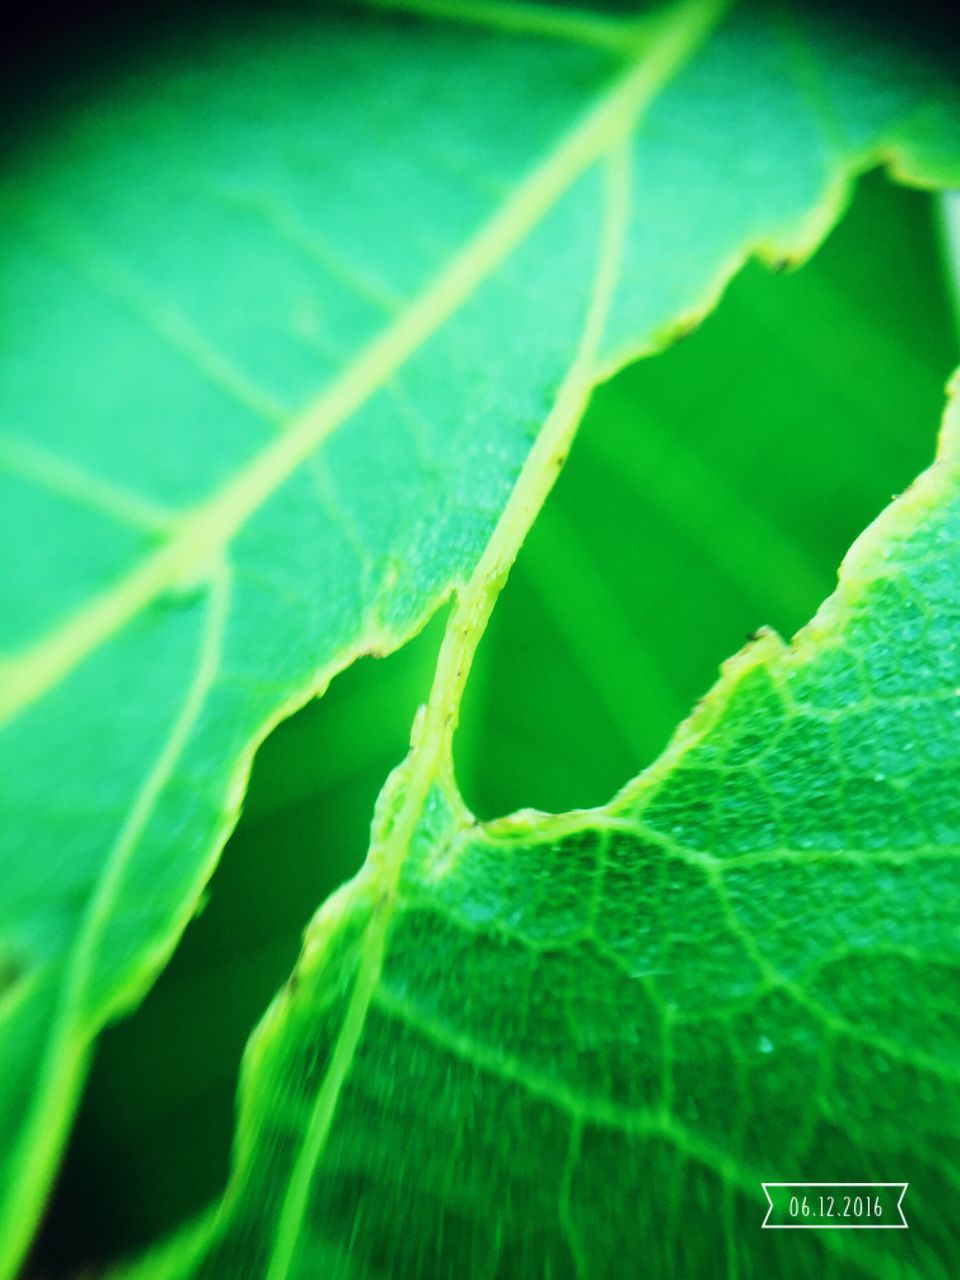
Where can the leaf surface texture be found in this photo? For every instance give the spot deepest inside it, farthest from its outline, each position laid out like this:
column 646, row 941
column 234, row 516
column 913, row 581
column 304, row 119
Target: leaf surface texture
column 251, row 432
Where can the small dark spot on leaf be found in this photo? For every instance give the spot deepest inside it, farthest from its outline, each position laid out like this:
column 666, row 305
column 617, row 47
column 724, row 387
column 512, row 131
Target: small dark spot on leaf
column 681, row 330
column 182, row 598
column 11, row 972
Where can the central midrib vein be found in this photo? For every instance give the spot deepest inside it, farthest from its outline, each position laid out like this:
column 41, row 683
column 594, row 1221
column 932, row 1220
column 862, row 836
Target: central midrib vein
column 203, row 533
column 430, row 755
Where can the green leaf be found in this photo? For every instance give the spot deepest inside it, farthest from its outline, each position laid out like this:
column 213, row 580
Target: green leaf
column 252, row 430
column 576, row 1045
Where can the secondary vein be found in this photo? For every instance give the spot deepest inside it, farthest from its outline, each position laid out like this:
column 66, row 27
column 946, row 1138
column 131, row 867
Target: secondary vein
column 577, row 26
column 54, row 1094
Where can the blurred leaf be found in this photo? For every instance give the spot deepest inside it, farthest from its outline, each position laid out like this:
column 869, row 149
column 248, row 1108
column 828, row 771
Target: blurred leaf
column 252, row 432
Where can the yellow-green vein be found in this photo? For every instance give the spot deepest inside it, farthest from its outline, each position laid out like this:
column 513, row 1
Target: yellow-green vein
column 59, row 1070
column 430, row 756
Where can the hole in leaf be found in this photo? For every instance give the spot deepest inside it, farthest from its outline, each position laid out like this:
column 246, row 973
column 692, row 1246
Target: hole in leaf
column 712, row 490
column 151, row 1146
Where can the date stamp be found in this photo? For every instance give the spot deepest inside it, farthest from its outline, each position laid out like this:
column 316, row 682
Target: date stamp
column 826, row 1206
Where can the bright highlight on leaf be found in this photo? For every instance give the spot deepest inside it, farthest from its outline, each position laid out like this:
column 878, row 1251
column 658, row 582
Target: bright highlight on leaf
column 304, row 319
